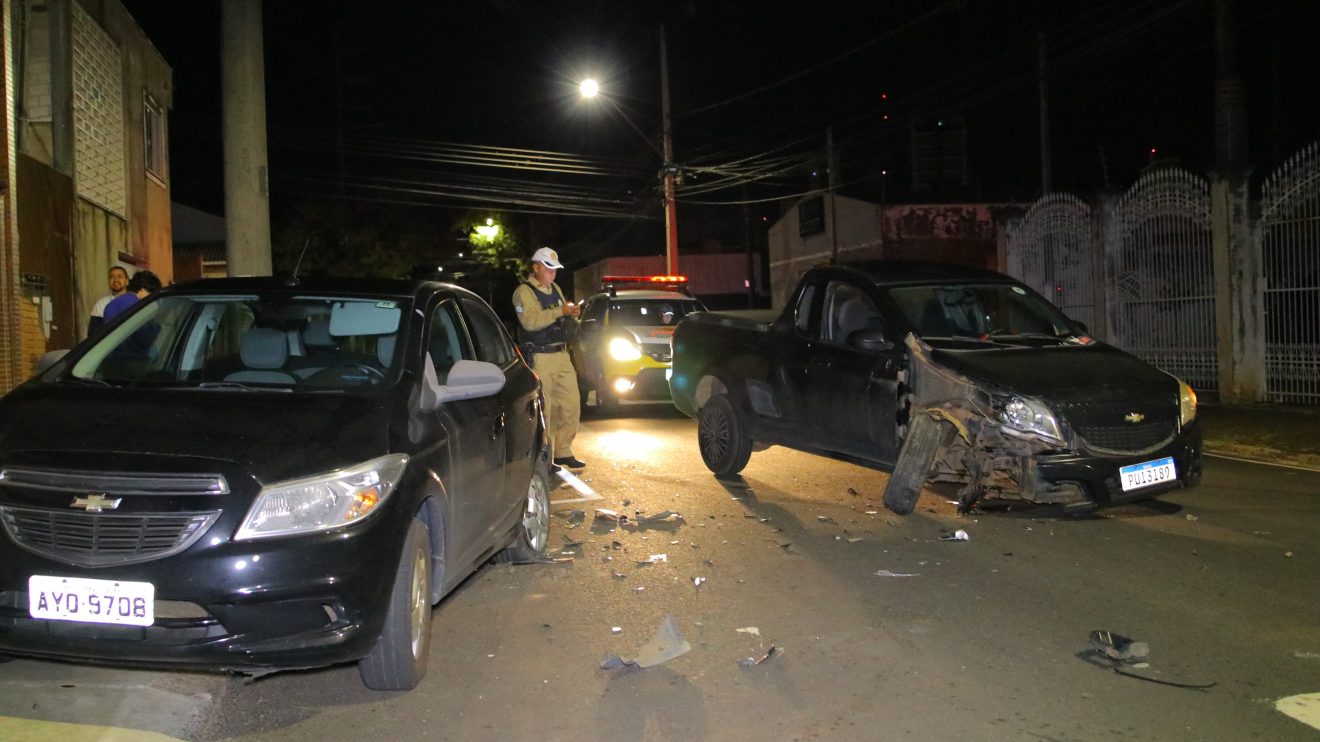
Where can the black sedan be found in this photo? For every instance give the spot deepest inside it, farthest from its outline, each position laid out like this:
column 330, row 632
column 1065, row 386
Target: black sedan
column 260, row 474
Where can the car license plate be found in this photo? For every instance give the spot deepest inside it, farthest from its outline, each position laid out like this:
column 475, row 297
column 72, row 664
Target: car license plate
column 93, row 601
column 1148, row 473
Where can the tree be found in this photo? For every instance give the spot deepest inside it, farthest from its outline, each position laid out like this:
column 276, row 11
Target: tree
column 336, row 238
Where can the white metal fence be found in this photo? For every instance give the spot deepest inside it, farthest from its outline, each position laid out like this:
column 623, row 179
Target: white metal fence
column 1288, row 234
column 1053, row 250
column 1161, row 276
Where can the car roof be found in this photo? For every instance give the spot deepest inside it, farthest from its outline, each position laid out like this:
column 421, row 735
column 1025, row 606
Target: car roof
column 400, row 288
column 909, row 272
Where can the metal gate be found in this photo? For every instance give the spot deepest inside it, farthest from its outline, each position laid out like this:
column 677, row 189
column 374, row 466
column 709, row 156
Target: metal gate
column 1163, row 276
column 1053, row 250
column 1289, row 237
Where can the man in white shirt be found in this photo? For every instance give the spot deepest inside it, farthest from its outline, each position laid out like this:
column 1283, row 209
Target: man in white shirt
column 118, row 284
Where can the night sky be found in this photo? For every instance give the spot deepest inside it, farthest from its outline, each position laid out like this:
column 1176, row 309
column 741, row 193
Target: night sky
column 753, row 87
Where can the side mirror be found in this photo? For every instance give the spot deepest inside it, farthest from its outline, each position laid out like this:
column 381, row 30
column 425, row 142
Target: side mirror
column 50, row 359
column 869, row 340
column 470, row 380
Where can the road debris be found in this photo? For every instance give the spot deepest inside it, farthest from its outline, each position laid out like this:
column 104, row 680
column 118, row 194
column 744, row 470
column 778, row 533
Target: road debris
column 1117, row 652
column 749, row 630
column 824, row 519
column 660, row 517
column 754, row 660
column 575, row 518
column 616, row 574
column 958, row 535
column 853, row 492
column 610, row 515
column 1306, row 655
column 667, row 644
column 887, row 573
column 696, row 581
column 1192, row 518
column 616, row 629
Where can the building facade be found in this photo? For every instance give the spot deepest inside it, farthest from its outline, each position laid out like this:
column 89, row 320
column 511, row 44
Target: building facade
column 87, row 97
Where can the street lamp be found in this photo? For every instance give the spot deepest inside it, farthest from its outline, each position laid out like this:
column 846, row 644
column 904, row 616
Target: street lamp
column 589, row 88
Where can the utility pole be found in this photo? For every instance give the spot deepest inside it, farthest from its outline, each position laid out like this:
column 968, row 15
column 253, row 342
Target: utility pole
column 829, row 169
column 243, row 112
column 1045, row 181
column 668, row 170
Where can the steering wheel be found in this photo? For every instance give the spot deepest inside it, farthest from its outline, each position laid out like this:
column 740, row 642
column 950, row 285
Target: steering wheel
column 337, row 373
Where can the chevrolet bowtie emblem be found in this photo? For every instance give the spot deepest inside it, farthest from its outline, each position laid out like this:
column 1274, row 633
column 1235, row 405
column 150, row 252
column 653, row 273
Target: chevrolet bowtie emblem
column 1134, row 417
column 95, row 503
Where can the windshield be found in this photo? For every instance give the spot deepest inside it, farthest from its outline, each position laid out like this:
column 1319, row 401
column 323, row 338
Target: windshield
column 985, row 312
column 651, row 312
column 277, row 342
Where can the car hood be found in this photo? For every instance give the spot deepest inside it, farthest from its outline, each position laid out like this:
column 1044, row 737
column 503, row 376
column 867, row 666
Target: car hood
column 650, row 335
column 273, row 436
column 1060, row 372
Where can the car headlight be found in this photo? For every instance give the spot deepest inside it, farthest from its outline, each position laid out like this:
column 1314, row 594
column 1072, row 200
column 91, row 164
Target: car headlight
column 323, row 502
column 623, row 349
column 1026, row 416
column 1186, row 403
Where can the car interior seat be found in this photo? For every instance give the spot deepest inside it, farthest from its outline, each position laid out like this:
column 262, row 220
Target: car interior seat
column 322, row 350
column 264, row 352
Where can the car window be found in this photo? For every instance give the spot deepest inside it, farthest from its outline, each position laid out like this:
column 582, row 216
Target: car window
column 995, row 310
column 250, row 341
column 596, row 309
column 493, row 343
column 650, row 312
column 444, row 339
column 805, row 306
column 847, row 310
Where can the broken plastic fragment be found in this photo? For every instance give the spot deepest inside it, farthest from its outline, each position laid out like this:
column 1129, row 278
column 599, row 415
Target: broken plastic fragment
column 824, row 519
column 576, row 518
column 887, row 573
column 958, row 535
column 610, row 515
column 662, row 516
column 658, row 558
column 667, row 644
column 616, row 629
column 698, row 580
column 754, row 631
column 751, row 661
column 1118, row 647
column 852, row 491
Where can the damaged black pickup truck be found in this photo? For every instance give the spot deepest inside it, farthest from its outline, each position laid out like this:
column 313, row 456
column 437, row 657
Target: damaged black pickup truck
column 937, row 373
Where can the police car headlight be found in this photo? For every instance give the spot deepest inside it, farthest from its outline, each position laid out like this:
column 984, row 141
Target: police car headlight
column 323, row 502
column 623, row 349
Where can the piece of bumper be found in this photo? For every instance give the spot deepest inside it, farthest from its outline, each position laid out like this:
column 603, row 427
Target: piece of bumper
column 1060, row 476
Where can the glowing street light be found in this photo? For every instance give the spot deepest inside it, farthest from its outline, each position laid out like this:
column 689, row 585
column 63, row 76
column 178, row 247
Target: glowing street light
column 589, row 88
column 488, row 231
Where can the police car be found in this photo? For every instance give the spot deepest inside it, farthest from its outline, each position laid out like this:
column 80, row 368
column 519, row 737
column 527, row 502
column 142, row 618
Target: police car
column 622, row 351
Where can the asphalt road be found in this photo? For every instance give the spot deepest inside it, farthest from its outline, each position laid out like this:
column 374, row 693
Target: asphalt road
column 986, row 639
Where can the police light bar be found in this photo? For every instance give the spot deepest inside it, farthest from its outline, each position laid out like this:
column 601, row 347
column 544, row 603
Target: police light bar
column 643, row 279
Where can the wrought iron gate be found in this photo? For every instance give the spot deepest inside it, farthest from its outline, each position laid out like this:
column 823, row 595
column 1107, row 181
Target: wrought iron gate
column 1163, row 296
column 1053, row 251
column 1289, row 238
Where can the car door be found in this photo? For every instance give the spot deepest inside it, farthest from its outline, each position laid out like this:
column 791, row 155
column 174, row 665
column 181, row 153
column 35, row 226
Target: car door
column 473, row 449
column 519, row 411
column 854, row 389
column 785, row 412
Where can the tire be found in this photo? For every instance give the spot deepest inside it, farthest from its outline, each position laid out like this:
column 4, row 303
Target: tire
column 533, row 537
column 398, row 661
column 722, row 437
column 925, row 436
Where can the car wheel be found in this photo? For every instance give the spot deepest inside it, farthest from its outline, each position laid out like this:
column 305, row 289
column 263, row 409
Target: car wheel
column 533, row 537
column 398, row 661
column 722, row 437
column 924, row 438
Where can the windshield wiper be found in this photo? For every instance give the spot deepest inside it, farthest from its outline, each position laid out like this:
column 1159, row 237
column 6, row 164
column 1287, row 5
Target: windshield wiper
column 236, row 385
column 85, row 380
column 1026, row 336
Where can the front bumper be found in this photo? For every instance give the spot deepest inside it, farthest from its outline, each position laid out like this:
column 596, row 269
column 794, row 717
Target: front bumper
column 1054, row 475
column 252, row 605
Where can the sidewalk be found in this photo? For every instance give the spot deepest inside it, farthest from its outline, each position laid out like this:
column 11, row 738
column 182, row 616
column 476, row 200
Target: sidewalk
column 1274, row 433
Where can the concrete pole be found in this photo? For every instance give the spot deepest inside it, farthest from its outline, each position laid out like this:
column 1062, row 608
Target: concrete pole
column 243, row 91
column 1238, row 264
column 670, row 170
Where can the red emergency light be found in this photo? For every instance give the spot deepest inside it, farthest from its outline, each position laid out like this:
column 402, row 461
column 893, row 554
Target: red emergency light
column 643, row 279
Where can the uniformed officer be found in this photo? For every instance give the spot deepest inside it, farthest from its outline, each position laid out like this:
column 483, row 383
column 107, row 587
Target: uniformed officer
column 546, row 322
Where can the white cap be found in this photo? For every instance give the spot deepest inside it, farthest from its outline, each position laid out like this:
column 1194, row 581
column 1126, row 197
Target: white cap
column 547, row 257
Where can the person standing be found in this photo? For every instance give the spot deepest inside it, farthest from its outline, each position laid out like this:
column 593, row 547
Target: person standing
column 545, row 325
column 118, row 285
column 141, row 284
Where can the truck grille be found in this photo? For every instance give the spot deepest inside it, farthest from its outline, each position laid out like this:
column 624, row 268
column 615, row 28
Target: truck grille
column 101, row 539
column 1108, row 425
